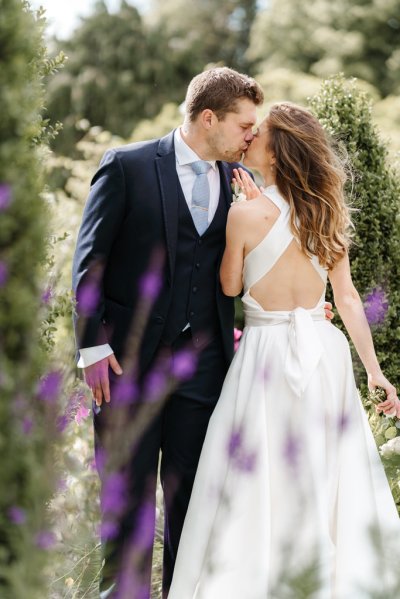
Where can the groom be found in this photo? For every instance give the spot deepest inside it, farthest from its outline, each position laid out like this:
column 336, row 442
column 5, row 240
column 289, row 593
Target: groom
column 172, row 193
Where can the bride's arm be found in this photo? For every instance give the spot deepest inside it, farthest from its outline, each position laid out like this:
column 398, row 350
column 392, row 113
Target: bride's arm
column 350, row 308
column 232, row 261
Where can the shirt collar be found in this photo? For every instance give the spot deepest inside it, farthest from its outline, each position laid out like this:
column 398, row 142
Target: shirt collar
column 184, row 154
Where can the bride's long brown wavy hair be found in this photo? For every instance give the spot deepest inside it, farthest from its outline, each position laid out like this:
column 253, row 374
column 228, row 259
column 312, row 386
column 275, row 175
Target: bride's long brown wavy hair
column 311, row 176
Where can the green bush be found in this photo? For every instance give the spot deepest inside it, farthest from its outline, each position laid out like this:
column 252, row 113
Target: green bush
column 27, row 406
column 345, row 111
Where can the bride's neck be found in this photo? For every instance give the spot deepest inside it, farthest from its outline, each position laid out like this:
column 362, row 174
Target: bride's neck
column 268, row 176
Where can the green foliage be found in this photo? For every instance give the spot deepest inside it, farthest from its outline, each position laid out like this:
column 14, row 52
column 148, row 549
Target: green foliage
column 27, row 425
column 345, row 112
column 123, row 69
column 358, row 37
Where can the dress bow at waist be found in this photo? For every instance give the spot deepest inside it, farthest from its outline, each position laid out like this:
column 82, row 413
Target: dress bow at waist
column 304, row 348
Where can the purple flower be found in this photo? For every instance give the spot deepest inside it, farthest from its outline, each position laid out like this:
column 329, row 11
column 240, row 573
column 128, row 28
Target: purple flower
column 3, row 273
column 235, row 443
column 100, row 458
column 155, row 385
column 45, row 539
column 47, row 295
column 62, row 423
column 81, row 414
column 125, row 391
column 376, row 306
column 150, row 285
column 62, row 485
column 184, row 364
column 17, row 515
column 5, row 196
column 27, row 425
column 114, row 494
column 109, row 530
column 50, row 386
column 129, row 584
column 291, row 451
column 343, row 423
column 240, row 458
column 144, row 533
column 88, row 297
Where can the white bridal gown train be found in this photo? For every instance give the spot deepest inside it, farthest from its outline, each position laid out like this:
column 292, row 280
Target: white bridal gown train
column 290, row 482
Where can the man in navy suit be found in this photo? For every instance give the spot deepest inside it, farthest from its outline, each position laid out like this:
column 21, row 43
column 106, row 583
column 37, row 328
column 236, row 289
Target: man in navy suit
column 173, row 195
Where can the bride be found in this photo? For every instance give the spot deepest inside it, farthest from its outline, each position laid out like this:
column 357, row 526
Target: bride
column 290, row 483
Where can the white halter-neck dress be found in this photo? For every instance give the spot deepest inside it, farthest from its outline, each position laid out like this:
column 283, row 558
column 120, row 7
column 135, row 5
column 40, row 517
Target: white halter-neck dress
column 289, row 482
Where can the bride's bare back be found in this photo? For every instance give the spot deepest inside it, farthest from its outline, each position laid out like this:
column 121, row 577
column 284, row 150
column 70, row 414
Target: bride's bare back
column 292, row 281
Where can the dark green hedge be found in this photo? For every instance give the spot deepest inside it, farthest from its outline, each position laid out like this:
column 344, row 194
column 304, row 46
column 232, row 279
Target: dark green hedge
column 26, row 407
column 345, row 111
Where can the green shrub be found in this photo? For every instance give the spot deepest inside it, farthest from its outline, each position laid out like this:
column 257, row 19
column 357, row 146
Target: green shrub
column 345, row 111
column 27, row 406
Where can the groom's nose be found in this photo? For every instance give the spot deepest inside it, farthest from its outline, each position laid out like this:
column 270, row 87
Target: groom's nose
column 249, row 136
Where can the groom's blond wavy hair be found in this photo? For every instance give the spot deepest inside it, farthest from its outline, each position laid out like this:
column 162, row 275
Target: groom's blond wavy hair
column 311, row 176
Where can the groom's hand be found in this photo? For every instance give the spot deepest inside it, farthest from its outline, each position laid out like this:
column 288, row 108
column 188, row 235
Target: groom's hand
column 328, row 311
column 96, row 377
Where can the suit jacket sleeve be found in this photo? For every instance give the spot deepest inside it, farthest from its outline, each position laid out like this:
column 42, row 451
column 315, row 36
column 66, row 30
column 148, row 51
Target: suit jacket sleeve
column 102, row 219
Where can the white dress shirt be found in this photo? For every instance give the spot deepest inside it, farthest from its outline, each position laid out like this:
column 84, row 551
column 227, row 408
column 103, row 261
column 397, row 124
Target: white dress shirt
column 184, row 156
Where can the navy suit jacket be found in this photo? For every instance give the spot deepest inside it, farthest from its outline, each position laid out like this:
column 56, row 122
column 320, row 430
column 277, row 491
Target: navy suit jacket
column 131, row 211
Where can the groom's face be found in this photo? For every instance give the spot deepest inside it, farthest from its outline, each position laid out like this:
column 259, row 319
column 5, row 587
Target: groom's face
column 230, row 137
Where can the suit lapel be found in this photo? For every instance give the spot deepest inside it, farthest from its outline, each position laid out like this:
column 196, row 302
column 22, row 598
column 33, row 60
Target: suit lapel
column 225, row 171
column 168, row 180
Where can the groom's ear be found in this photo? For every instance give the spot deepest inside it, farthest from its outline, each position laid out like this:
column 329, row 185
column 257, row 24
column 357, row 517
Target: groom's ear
column 208, row 118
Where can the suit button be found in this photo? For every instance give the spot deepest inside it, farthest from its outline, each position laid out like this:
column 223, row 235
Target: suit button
column 191, row 313
column 197, row 264
column 200, row 241
column 159, row 319
column 194, row 289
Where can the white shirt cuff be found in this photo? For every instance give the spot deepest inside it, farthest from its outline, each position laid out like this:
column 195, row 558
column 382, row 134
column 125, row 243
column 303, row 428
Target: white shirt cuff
column 91, row 355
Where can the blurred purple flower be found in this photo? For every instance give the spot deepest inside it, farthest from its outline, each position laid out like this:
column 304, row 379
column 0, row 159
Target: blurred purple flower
column 50, row 386
column 235, row 443
column 100, row 458
column 150, row 285
column 3, row 273
column 376, row 306
column 114, row 494
column 125, row 391
column 343, row 423
column 45, row 539
column 81, row 414
column 47, row 295
column 291, row 451
column 129, row 585
column 17, row 515
column 155, row 385
column 109, row 530
column 88, row 297
column 5, row 196
column 27, row 425
column 62, row 485
column 62, row 423
column 144, row 532
column 184, row 364
column 241, row 459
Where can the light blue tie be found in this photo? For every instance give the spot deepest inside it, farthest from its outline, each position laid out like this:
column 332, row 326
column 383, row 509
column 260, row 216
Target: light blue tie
column 200, row 195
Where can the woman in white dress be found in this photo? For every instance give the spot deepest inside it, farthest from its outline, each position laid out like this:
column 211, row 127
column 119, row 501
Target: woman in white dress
column 290, row 488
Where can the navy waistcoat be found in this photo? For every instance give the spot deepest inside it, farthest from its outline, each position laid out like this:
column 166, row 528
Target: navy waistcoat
column 196, row 275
